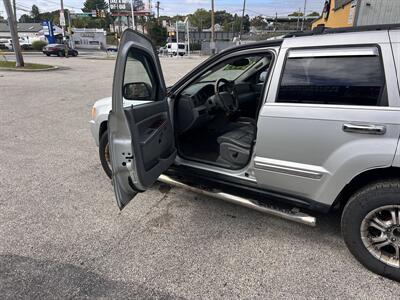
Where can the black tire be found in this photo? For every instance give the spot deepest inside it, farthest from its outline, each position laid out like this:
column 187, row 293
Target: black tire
column 364, row 201
column 75, row 54
column 60, row 53
column 48, row 54
column 103, row 153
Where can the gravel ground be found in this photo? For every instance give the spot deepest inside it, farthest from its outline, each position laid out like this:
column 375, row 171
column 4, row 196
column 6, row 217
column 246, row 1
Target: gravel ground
column 62, row 236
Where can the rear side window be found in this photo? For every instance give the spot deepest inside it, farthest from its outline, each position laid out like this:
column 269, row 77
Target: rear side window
column 339, row 80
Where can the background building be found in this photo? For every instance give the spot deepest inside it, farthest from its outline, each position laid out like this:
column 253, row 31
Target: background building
column 28, row 30
column 345, row 13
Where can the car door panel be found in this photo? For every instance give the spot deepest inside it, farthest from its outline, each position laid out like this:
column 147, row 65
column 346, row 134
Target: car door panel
column 154, row 148
column 141, row 137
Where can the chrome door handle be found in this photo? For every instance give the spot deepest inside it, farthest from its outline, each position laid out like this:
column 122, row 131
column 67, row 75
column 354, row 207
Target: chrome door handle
column 365, row 128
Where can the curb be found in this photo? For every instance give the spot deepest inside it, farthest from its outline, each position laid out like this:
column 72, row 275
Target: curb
column 54, row 68
column 23, row 53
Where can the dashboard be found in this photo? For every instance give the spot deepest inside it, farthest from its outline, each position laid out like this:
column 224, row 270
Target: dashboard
column 193, row 107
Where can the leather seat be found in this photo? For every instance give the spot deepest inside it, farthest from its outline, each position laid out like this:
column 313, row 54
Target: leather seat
column 235, row 145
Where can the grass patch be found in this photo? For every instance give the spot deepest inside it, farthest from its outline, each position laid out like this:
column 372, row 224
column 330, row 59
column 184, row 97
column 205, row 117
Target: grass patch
column 28, row 66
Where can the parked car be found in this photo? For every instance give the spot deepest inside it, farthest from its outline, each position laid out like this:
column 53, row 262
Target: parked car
column 59, row 50
column 112, row 50
column 6, row 44
column 310, row 122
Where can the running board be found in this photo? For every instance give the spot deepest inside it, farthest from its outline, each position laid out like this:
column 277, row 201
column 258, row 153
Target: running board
column 289, row 214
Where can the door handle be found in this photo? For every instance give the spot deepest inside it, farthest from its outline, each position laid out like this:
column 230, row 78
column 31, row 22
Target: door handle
column 365, row 128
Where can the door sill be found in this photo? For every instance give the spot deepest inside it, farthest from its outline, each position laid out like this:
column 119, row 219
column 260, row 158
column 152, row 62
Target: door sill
column 242, row 186
column 291, row 214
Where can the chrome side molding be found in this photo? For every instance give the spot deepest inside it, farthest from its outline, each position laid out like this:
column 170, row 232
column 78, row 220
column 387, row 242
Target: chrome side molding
column 289, row 214
column 290, row 168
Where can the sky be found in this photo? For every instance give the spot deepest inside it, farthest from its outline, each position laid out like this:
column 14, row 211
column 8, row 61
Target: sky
column 173, row 7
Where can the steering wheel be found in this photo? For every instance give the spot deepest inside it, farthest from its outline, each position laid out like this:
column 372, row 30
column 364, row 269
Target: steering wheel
column 227, row 99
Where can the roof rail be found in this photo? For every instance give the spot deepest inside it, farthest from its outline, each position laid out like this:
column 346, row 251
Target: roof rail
column 319, row 30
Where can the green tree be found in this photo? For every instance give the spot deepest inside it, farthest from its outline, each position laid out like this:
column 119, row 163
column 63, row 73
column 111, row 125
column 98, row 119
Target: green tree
column 221, row 17
column 35, row 13
column 296, row 14
column 90, row 5
column 201, row 19
column 258, row 22
column 25, row 18
column 246, row 23
column 313, row 14
column 157, row 33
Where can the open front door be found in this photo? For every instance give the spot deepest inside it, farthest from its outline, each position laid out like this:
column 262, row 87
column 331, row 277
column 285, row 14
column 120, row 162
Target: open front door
column 141, row 137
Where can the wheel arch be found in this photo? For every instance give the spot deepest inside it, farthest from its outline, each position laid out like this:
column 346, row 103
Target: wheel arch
column 362, row 180
column 103, row 128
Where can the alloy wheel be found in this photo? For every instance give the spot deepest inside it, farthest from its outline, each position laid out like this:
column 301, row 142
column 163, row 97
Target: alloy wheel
column 380, row 233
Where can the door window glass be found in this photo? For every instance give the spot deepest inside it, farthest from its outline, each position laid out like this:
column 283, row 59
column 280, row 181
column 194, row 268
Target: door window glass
column 139, row 79
column 346, row 80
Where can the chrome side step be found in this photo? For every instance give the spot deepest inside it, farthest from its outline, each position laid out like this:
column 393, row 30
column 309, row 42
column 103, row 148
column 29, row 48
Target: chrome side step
column 289, row 214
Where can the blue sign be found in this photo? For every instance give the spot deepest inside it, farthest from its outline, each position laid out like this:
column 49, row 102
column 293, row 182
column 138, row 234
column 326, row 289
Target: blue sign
column 48, row 31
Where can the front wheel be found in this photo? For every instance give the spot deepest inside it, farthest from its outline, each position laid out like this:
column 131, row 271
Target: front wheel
column 104, row 153
column 371, row 227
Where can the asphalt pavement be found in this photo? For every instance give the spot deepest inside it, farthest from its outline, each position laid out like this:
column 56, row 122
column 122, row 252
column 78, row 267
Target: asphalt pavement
column 62, row 235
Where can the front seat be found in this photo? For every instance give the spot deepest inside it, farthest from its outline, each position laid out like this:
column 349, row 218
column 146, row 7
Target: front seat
column 235, row 146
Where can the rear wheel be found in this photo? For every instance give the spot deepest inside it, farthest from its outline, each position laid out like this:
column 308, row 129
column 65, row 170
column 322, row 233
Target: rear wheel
column 48, row 54
column 60, row 53
column 371, row 227
column 104, row 153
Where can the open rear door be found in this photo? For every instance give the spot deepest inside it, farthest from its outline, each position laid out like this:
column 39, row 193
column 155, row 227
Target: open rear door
column 141, row 137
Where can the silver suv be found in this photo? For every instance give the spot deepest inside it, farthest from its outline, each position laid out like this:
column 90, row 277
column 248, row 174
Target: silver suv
column 310, row 122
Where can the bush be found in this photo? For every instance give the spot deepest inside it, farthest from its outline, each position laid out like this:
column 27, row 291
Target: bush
column 38, row 45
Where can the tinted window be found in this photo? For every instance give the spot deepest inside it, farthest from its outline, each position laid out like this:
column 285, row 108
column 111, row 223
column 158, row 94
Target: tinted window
column 350, row 80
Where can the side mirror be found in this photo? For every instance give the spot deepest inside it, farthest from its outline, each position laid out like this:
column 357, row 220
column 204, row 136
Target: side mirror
column 137, row 91
column 263, row 76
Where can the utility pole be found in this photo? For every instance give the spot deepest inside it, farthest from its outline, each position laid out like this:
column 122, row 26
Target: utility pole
column 298, row 20
column 62, row 23
column 241, row 22
column 133, row 16
column 187, row 35
column 70, row 30
column 15, row 10
column 212, row 44
column 158, row 10
column 304, row 15
column 119, row 20
column 19, row 60
column 177, row 33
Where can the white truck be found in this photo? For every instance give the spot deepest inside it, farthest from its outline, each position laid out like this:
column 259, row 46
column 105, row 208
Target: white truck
column 174, row 49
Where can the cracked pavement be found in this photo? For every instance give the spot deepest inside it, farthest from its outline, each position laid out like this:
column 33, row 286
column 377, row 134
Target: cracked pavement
column 62, row 235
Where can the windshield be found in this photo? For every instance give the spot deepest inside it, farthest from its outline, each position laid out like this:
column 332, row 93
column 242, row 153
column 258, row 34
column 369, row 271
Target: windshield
column 230, row 69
